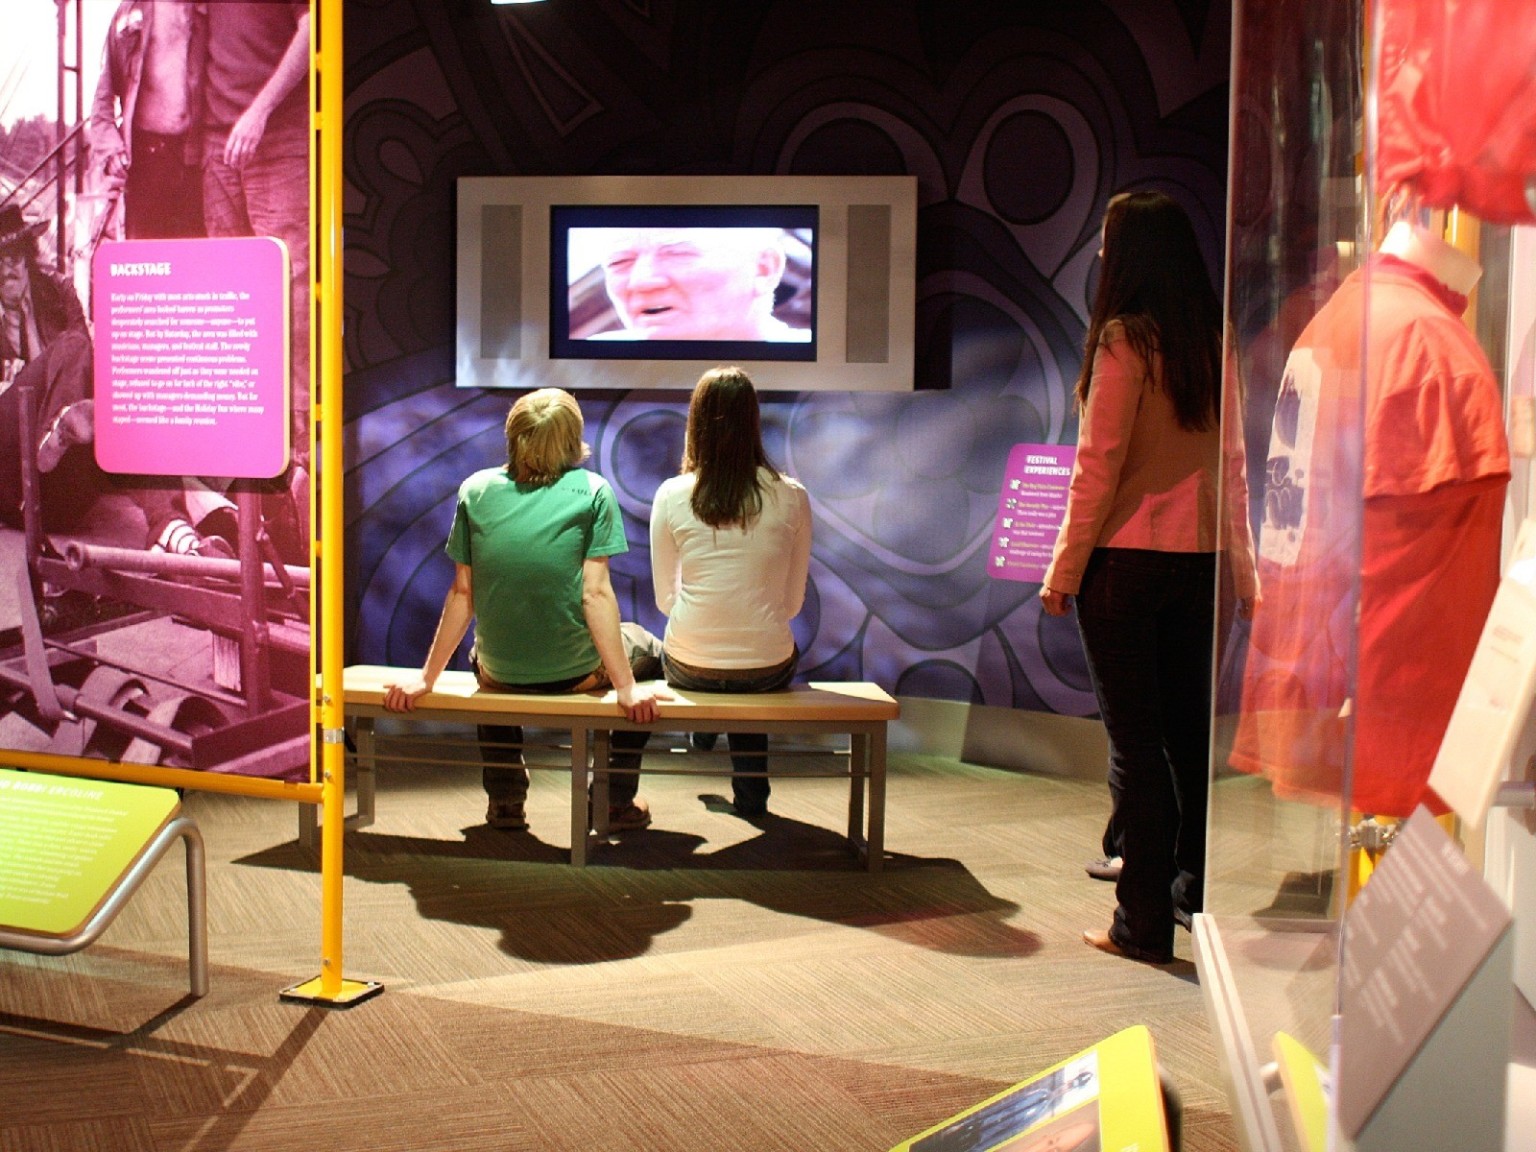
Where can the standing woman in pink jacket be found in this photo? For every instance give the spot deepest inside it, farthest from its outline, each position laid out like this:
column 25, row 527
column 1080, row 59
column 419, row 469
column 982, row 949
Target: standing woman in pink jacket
column 1138, row 553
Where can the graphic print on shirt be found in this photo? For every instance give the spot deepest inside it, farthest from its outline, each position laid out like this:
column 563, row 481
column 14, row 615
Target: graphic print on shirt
column 1288, row 480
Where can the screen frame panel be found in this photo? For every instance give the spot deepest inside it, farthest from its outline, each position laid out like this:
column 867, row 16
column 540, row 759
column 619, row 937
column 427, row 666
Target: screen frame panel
column 513, row 262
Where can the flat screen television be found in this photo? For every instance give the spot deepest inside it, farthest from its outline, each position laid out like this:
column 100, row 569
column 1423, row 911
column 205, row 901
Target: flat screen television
column 683, row 282
column 645, row 282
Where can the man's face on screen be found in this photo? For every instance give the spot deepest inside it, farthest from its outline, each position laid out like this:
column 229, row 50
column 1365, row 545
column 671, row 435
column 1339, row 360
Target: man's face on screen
column 690, row 283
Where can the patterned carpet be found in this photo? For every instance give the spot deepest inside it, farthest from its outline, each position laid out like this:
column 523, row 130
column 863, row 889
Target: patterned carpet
column 708, row 984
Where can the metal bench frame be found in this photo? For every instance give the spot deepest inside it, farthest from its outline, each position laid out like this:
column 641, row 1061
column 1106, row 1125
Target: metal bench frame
column 859, row 711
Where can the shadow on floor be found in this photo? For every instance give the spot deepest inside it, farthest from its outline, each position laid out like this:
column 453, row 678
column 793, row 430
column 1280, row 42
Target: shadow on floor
column 643, row 884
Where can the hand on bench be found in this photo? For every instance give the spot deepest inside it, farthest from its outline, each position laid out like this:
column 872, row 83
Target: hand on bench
column 642, row 702
column 403, row 697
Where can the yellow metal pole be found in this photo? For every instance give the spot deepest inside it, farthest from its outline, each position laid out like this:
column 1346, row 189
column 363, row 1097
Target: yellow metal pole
column 326, row 470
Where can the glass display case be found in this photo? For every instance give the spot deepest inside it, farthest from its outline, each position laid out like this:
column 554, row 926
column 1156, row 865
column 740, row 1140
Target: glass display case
column 1298, row 224
column 1368, row 325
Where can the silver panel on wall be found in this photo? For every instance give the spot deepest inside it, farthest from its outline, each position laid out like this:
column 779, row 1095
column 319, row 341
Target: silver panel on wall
column 865, row 260
column 868, row 290
column 501, row 280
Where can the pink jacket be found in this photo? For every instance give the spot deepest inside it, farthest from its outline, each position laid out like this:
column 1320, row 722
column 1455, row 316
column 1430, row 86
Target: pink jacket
column 1142, row 481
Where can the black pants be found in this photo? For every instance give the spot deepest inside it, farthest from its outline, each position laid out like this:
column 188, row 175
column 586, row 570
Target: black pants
column 505, row 778
column 749, row 750
column 1147, row 621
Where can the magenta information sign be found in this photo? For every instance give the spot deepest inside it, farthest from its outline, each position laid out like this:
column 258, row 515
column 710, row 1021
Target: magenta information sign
column 1030, row 509
column 191, row 364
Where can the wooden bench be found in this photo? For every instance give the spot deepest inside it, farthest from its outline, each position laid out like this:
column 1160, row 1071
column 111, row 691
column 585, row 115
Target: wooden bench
column 858, row 710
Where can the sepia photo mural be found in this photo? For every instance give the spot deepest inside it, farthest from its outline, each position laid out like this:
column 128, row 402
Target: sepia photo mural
column 154, row 383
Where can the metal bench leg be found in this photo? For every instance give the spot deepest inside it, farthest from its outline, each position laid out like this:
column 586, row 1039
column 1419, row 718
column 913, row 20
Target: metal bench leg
column 309, row 825
column 578, row 797
column 602, row 750
column 366, row 774
column 876, row 765
column 858, row 769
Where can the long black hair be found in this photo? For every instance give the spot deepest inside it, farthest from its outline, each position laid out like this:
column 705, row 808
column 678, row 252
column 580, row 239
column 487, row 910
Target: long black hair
column 1154, row 282
column 724, row 449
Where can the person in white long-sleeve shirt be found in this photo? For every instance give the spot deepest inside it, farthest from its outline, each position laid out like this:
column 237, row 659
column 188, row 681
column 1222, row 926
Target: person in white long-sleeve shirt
column 730, row 554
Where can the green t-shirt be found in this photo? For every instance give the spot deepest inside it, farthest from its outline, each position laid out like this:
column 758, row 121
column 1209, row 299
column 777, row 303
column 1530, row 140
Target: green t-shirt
column 525, row 546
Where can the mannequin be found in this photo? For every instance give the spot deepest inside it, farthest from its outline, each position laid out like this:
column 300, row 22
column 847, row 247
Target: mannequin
column 1431, row 462
column 1414, row 244
column 1420, row 247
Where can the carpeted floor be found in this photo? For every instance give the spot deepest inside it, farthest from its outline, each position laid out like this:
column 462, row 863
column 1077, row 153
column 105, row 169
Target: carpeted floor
column 707, row 984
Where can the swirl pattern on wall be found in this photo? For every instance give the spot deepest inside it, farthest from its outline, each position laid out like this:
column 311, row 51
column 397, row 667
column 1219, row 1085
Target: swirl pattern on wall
column 1018, row 126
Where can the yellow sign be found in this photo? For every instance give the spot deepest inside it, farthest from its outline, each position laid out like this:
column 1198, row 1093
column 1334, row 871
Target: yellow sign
column 1307, row 1091
column 1107, row 1097
column 65, row 842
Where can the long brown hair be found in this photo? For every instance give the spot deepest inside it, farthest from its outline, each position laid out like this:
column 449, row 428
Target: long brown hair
column 1154, row 283
column 724, row 449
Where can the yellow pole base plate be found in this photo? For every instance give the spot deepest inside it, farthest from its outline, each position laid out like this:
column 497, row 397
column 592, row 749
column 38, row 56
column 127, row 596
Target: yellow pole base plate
column 351, row 992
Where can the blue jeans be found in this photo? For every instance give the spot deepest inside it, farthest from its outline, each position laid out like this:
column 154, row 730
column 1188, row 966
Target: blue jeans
column 749, row 750
column 269, row 196
column 1147, row 621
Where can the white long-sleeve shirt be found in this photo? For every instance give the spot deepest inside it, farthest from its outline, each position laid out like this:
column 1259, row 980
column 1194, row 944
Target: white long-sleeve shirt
column 729, row 594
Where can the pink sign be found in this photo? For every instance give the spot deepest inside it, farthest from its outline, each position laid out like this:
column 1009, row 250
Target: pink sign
column 1030, row 510
column 191, row 361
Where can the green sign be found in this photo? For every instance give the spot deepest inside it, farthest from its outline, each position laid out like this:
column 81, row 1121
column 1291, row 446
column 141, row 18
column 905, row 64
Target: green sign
column 65, row 842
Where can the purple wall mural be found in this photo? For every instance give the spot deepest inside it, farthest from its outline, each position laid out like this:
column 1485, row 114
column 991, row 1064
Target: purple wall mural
column 1019, row 121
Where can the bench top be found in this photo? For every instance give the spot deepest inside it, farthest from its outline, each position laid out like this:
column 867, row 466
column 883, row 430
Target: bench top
column 822, row 701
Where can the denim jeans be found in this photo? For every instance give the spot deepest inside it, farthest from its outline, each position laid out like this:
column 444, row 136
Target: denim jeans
column 505, row 778
column 1147, row 621
column 269, row 196
column 749, row 750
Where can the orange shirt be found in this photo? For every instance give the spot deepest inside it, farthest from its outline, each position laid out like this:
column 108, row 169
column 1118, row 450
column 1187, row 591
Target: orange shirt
column 1426, row 449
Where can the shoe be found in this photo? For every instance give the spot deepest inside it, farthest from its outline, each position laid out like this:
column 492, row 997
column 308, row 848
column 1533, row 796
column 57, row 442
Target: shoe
column 749, row 807
column 76, row 424
column 222, row 525
column 628, row 817
column 507, row 815
column 181, row 539
column 1105, row 943
column 1104, row 868
column 703, row 741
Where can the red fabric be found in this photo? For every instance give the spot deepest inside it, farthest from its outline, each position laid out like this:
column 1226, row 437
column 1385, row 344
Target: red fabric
column 1426, row 554
column 1429, row 573
column 1457, row 104
column 1433, row 414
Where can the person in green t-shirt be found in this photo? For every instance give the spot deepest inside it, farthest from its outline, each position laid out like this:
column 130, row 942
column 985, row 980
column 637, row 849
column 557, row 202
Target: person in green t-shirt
column 530, row 544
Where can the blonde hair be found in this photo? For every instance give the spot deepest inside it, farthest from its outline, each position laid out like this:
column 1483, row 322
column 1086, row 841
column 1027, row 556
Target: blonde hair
column 544, row 437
